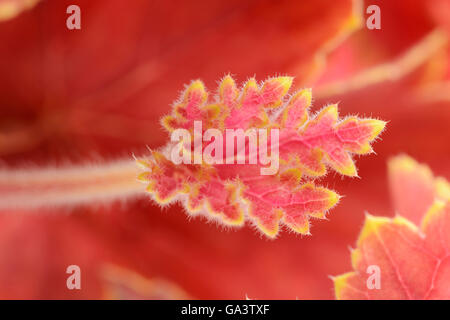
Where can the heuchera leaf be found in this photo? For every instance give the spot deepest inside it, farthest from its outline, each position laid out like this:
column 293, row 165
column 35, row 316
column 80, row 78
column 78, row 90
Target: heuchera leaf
column 414, row 263
column 233, row 193
column 414, row 188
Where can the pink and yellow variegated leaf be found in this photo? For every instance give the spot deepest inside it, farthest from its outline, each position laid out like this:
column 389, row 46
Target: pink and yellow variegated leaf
column 414, row 188
column 199, row 188
column 232, row 193
column 412, row 263
column 278, row 202
column 323, row 140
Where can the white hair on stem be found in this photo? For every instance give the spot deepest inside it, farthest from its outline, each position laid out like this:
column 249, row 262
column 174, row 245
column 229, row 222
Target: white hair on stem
column 32, row 188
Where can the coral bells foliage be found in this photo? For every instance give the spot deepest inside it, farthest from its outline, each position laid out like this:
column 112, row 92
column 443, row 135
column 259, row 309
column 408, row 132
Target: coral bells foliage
column 233, row 193
column 413, row 257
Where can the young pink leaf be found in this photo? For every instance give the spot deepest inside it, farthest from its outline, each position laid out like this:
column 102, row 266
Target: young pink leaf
column 233, row 193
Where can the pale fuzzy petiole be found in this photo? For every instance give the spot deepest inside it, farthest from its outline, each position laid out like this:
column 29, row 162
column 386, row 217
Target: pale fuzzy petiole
column 29, row 188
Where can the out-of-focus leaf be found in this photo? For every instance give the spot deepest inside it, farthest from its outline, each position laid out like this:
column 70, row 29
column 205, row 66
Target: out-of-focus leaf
column 124, row 284
column 414, row 188
column 414, row 263
column 410, row 262
column 11, row 8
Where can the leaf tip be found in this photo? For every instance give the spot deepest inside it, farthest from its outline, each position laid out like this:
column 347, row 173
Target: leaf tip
column 371, row 225
column 434, row 211
column 340, row 283
column 377, row 126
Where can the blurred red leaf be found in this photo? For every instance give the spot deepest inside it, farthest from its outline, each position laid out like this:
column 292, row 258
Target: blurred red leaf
column 414, row 188
column 413, row 263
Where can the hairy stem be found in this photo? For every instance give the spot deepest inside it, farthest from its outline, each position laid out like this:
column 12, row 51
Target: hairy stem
column 30, row 188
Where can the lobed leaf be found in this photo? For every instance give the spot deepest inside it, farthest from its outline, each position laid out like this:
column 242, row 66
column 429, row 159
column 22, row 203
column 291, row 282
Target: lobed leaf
column 233, row 193
column 414, row 262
